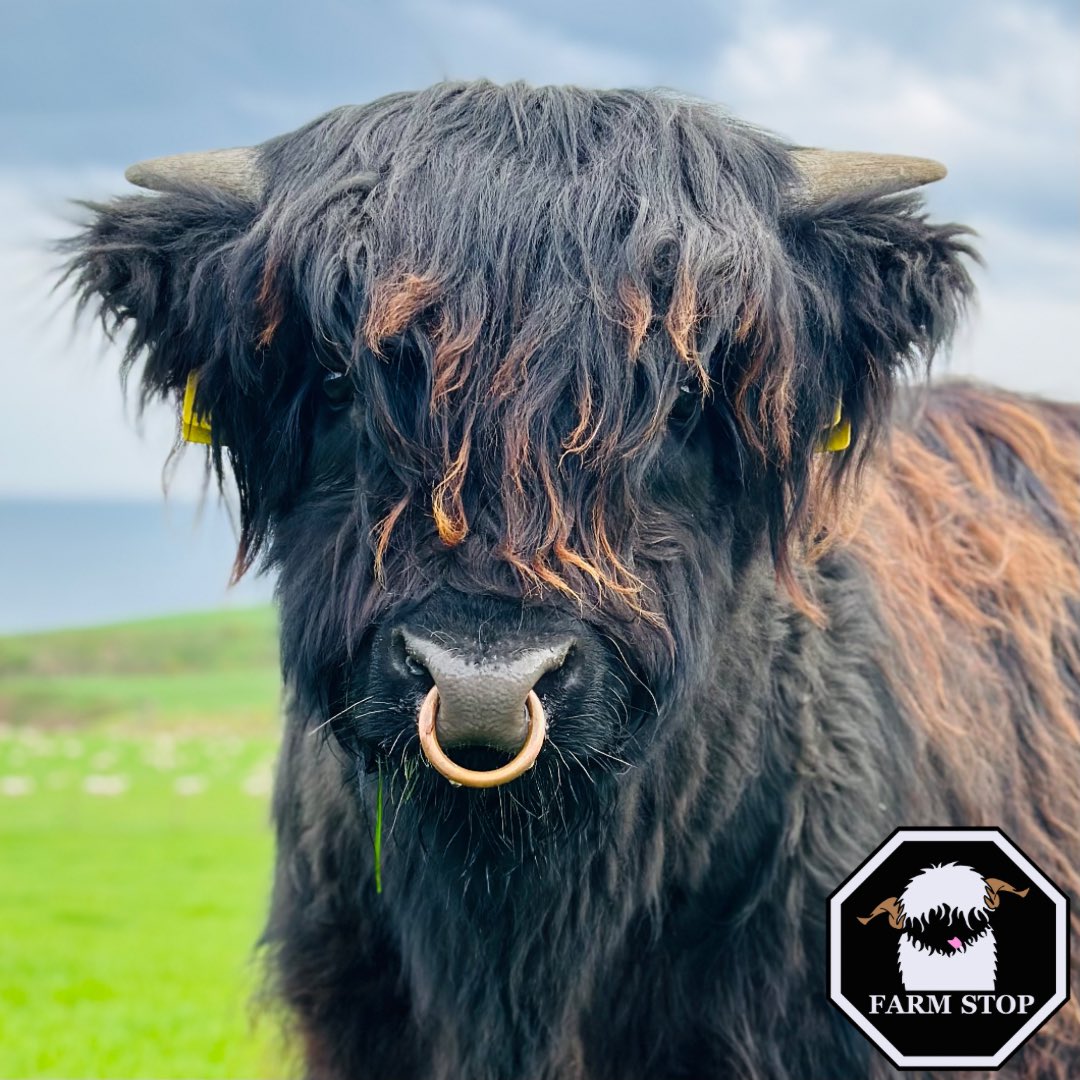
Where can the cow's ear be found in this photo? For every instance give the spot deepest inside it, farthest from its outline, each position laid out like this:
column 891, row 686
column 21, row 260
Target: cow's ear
column 157, row 270
column 880, row 289
column 178, row 275
column 865, row 290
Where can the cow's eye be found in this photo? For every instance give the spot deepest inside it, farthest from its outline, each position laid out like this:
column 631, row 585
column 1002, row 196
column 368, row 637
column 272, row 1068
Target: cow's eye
column 338, row 389
column 687, row 405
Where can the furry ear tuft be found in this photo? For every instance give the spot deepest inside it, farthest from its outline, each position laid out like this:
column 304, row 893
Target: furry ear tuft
column 155, row 266
column 875, row 291
column 179, row 273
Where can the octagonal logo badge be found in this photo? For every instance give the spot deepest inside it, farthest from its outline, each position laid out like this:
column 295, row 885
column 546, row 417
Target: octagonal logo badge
column 948, row 948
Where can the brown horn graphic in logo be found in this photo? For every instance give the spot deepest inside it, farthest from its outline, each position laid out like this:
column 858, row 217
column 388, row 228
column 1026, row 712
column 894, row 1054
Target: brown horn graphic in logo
column 994, row 887
column 888, row 907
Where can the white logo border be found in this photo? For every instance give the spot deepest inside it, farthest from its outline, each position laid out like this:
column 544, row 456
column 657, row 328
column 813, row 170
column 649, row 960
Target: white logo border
column 1061, row 906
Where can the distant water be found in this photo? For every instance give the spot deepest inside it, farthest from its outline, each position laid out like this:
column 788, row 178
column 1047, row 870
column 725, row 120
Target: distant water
column 82, row 563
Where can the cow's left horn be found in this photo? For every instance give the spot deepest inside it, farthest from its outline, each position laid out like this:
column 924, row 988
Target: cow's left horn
column 994, row 888
column 235, row 171
column 831, row 174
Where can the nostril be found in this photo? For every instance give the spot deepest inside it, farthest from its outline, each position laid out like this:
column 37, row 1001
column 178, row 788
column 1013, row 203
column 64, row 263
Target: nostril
column 404, row 657
column 558, row 675
column 482, row 691
column 548, row 683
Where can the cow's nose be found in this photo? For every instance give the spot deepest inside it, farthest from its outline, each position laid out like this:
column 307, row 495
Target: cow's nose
column 482, row 698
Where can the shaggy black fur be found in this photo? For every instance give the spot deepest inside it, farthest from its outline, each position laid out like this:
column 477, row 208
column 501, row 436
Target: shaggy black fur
column 565, row 362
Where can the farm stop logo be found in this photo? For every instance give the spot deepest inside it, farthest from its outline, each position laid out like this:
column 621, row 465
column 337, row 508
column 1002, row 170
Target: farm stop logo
column 948, row 948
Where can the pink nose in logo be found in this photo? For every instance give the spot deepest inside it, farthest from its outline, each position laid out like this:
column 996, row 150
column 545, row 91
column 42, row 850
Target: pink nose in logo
column 955, row 942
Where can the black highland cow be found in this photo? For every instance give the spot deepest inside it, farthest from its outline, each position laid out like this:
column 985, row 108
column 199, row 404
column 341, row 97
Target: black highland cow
column 524, row 390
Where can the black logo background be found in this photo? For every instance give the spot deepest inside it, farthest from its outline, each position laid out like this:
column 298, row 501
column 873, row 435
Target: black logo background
column 1023, row 928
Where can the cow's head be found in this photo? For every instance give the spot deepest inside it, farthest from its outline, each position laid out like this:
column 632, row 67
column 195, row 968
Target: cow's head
column 524, row 391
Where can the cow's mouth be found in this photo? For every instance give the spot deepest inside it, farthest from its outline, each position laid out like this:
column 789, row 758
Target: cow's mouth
column 479, row 758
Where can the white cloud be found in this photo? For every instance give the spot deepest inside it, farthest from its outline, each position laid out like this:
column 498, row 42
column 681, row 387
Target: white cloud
column 1024, row 330
column 480, row 39
column 1005, row 113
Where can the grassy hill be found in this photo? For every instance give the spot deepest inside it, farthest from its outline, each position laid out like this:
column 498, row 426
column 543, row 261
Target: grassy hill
column 211, row 672
column 135, row 851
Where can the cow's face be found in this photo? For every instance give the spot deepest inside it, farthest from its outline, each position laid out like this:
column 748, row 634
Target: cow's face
column 502, row 507
column 524, row 391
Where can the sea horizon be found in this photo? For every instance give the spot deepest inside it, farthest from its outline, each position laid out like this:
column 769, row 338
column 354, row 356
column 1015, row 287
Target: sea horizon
column 69, row 562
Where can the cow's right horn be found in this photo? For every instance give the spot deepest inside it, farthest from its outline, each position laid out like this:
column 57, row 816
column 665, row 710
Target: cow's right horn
column 890, row 907
column 235, row 171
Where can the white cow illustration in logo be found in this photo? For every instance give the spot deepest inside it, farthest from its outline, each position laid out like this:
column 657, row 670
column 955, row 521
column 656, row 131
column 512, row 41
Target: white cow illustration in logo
column 946, row 940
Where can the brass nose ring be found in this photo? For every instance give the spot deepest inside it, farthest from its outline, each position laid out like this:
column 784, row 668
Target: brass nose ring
column 457, row 774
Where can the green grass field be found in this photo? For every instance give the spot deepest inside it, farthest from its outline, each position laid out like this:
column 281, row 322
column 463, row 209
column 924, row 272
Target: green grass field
column 135, row 854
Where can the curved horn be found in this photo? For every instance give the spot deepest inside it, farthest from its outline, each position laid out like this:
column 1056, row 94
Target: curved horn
column 888, row 907
column 995, row 886
column 235, row 171
column 829, row 174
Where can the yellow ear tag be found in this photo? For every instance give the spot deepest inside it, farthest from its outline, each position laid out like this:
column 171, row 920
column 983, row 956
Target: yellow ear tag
column 837, row 437
column 193, row 427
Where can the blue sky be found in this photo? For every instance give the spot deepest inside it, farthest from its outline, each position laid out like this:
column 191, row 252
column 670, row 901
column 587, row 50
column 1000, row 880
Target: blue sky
column 991, row 88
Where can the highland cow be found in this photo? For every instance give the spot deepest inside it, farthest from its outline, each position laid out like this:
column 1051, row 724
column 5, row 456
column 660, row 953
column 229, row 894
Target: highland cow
column 584, row 415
